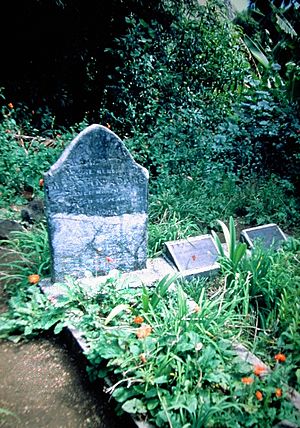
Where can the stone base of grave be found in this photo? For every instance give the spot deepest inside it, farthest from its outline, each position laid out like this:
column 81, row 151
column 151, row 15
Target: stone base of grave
column 156, row 269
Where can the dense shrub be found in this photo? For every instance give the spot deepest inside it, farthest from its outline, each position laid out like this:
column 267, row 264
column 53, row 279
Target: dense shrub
column 25, row 155
column 173, row 85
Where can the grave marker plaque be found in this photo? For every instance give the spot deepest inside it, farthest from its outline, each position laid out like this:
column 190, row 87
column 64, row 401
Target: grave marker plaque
column 193, row 256
column 270, row 235
column 96, row 199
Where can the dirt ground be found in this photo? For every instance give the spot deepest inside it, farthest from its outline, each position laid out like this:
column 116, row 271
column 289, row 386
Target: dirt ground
column 44, row 386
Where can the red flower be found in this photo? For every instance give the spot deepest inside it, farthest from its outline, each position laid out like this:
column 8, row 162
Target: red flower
column 10, row 105
column 259, row 370
column 194, row 258
column 109, row 259
column 41, row 182
column 278, row 392
column 259, row 395
column 280, row 358
column 33, row 279
column 138, row 320
column 247, row 380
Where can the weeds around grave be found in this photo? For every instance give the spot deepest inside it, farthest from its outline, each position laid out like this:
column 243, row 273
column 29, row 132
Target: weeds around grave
column 25, row 253
column 171, row 360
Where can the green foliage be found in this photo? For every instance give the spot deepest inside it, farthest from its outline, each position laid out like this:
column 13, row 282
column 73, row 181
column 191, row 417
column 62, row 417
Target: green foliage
column 26, row 253
column 177, row 365
column 172, row 86
column 264, row 134
column 268, row 284
column 25, row 158
column 234, row 252
column 189, row 205
column 186, row 100
column 179, row 369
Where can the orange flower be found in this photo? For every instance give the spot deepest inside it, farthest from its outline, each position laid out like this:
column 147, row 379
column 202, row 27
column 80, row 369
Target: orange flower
column 10, row 105
column 259, row 370
column 280, row 357
column 109, row 259
column 33, row 279
column 196, row 308
column 108, row 126
column 143, row 331
column 247, row 380
column 259, row 395
column 138, row 320
column 143, row 358
column 41, row 182
column 278, row 392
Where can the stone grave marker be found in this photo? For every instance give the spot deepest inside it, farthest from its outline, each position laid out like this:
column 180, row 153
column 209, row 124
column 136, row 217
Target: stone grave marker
column 270, row 235
column 96, row 199
column 193, row 256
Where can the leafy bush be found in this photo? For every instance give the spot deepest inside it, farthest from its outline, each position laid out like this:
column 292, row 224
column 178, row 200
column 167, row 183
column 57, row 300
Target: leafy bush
column 26, row 156
column 263, row 136
column 173, row 84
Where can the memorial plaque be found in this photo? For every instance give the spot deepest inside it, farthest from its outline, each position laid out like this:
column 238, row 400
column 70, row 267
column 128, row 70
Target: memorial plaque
column 193, row 256
column 96, row 199
column 269, row 235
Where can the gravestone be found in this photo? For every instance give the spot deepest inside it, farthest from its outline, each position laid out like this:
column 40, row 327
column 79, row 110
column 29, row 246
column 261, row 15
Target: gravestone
column 269, row 235
column 193, row 256
column 96, row 199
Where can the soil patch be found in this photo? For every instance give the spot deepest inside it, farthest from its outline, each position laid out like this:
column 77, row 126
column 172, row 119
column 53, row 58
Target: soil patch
column 44, row 386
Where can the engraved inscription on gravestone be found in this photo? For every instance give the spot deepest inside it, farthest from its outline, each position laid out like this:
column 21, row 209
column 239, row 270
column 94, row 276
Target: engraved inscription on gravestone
column 192, row 256
column 270, row 235
column 96, row 199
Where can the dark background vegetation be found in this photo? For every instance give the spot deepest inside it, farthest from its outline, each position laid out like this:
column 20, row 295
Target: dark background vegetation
column 53, row 52
column 209, row 106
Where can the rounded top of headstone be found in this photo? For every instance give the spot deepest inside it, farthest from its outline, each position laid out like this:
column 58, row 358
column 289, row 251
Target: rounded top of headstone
column 95, row 142
column 96, row 175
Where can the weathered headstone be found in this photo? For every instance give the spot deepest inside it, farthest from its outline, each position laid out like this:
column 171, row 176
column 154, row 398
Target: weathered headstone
column 269, row 235
column 96, row 199
column 193, row 256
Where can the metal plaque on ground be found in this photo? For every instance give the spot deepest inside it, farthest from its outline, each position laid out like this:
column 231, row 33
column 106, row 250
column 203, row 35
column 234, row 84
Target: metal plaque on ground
column 269, row 235
column 193, row 256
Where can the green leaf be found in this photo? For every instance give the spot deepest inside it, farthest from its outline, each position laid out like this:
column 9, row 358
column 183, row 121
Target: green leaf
column 145, row 299
column 256, row 51
column 161, row 379
column 232, row 234
column 239, row 252
column 152, row 404
column 286, row 26
column 134, row 406
column 218, row 243
column 226, row 233
column 116, row 311
column 59, row 327
column 122, row 394
column 161, row 289
column 28, row 330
